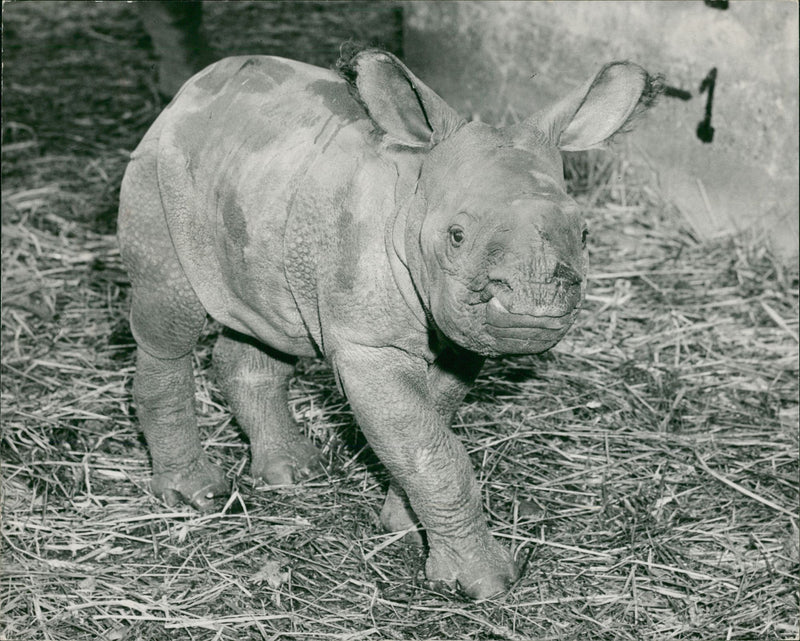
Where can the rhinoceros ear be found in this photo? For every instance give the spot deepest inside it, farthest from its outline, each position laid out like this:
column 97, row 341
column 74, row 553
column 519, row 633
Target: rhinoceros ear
column 402, row 107
column 589, row 116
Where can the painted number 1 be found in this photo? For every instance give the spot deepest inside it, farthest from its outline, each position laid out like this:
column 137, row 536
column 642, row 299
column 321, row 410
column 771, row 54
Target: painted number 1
column 705, row 131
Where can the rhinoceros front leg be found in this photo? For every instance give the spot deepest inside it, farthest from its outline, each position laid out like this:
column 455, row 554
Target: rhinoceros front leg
column 449, row 380
column 255, row 383
column 389, row 393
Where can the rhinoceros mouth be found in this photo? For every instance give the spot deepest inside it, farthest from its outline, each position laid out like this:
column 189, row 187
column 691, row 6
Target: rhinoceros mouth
column 501, row 322
column 491, row 329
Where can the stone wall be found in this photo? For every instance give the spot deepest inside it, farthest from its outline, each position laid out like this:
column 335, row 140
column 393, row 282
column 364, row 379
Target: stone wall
column 499, row 61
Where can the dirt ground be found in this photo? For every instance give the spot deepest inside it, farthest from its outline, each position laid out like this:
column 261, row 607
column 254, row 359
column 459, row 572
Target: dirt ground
column 644, row 472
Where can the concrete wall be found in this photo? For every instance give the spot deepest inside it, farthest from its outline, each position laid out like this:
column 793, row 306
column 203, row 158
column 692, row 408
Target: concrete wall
column 499, row 61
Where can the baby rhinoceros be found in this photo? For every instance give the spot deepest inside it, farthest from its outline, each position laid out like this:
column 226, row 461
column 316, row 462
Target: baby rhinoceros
column 353, row 215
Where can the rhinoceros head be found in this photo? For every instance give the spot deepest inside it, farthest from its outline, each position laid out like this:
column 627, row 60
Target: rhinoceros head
column 495, row 246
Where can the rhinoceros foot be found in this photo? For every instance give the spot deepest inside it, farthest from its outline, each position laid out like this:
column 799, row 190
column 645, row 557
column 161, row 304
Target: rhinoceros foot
column 197, row 484
column 299, row 462
column 480, row 574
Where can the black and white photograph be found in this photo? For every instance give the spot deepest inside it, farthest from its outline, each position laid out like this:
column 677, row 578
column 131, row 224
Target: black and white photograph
column 400, row 319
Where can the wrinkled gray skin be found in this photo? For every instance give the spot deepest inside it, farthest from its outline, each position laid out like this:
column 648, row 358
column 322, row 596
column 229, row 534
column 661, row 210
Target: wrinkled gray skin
column 363, row 220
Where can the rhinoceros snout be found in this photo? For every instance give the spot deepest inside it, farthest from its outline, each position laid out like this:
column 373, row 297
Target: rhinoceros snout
column 554, row 293
column 514, row 273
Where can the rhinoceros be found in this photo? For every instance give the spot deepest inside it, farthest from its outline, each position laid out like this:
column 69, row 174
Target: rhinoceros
column 352, row 214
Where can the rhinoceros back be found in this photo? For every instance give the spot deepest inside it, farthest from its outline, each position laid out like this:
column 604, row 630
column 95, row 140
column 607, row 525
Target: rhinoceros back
column 236, row 147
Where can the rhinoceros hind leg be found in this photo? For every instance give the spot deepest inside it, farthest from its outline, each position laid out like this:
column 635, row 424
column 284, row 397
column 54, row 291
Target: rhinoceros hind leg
column 397, row 515
column 166, row 320
column 164, row 393
column 255, row 382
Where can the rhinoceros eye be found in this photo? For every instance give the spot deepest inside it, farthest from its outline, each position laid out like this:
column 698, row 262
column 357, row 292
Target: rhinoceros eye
column 456, row 235
column 584, row 236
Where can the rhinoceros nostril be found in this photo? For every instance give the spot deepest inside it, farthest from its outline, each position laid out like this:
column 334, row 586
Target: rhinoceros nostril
column 493, row 288
column 566, row 274
column 497, row 286
column 500, row 277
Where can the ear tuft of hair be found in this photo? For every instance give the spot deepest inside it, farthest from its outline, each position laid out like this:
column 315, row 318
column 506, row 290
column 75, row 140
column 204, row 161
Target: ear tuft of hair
column 653, row 88
column 344, row 65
